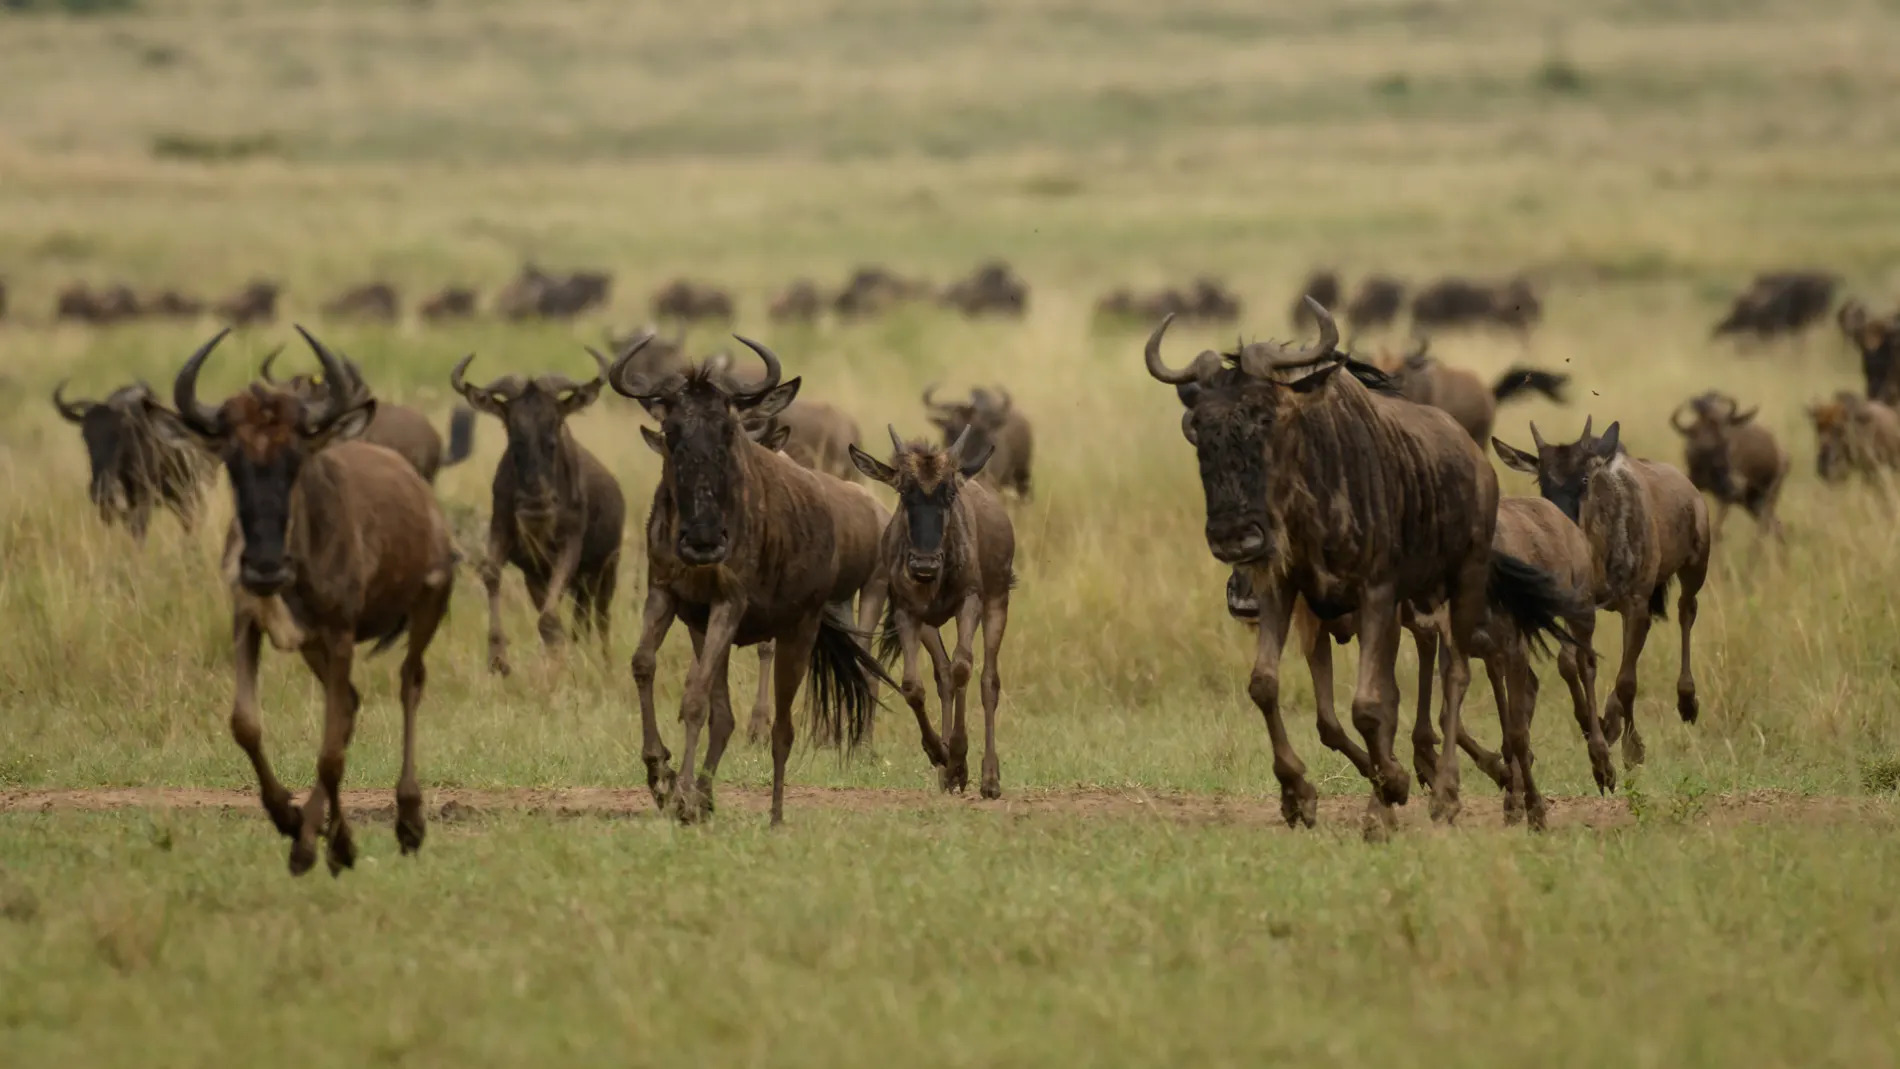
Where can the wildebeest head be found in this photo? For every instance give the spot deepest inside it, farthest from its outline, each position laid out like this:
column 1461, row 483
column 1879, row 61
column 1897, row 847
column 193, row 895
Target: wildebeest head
column 983, row 416
column 1563, row 471
column 927, row 480
column 1233, row 401
column 1705, row 433
column 1838, row 428
column 117, row 431
column 264, row 436
column 534, row 411
column 704, row 419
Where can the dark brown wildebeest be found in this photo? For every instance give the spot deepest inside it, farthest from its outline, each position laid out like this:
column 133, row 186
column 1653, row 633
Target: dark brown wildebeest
column 746, row 546
column 948, row 553
column 256, row 302
column 686, row 301
column 335, row 542
column 172, row 304
column 1461, row 302
column 1732, row 458
column 139, row 457
column 874, row 290
column 1357, row 501
column 535, row 293
column 115, row 303
column 1779, row 302
column 1375, row 304
column 375, row 301
column 1206, row 300
column 1877, row 338
column 1321, row 286
column 396, row 427
column 557, row 513
column 1647, row 526
column 994, row 288
column 450, row 302
column 1425, row 379
column 1002, row 434
column 1855, row 435
column 800, row 303
column 653, row 356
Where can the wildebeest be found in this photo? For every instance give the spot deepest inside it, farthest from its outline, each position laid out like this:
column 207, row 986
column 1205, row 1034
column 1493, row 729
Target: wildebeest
column 1332, row 489
column 114, row 303
column 1855, row 435
column 993, row 288
column 450, row 302
column 172, row 304
column 1375, row 304
column 1731, row 458
column 397, row 427
column 1779, row 302
column 689, row 302
column 535, row 293
column 139, row 457
column 745, row 546
column 1002, row 433
column 1877, row 338
column 948, row 553
column 1427, row 380
column 1206, row 300
column 652, row 355
column 1461, row 302
column 254, row 302
column 1321, row 286
column 556, row 512
column 799, row 303
column 374, row 301
column 1647, row 526
column 874, row 290
column 335, row 542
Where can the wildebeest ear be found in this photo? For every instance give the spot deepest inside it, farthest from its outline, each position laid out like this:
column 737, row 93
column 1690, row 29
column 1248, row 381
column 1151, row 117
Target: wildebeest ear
column 351, row 424
column 654, row 440
column 1514, row 458
column 873, row 468
column 1188, row 392
column 1740, row 418
column 974, row 460
column 579, row 397
column 1317, row 379
column 775, row 439
column 1605, row 447
column 175, row 430
column 770, row 403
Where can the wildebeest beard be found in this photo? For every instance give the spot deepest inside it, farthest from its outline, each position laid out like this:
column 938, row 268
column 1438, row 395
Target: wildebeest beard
column 263, row 487
column 113, row 456
column 926, row 517
column 534, row 449
column 1232, row 441
column 700, row 452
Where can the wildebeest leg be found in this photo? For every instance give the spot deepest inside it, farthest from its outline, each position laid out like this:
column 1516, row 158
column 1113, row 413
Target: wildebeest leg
column 249, row 731
column 957, row 776
column 1424, row 739
column 1318, row 646
column 415, row 674
column 871, row 602
column 908, row 631
column 491, row 581
column 1494, row 765
column 722, row 623
column 1465, row 610
column 330, row 656
column 760, row 726
column 1517, row 737
column 549, row 601
column 1375, row 703
column 995, row 622
column 1577, row 664
column 1622, row 703
column 1690, row 578
column 603, row 601
column 722, row 721
column 655, row 621
column 787, row 673
column 1299, row 802
column 932, row 639
column 1721, row 516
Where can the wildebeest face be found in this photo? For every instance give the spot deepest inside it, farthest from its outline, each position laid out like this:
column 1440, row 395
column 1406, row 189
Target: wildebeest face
column 1832, row 423
column 1230, row 423
column 1706, row 440
column 927, row 482
column 1563, row 471
column 534, row 413
column 118, row 432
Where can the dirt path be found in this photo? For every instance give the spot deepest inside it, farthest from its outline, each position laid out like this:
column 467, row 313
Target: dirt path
column 450, row 804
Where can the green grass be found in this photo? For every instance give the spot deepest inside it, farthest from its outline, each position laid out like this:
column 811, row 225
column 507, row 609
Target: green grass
column 1639, row 160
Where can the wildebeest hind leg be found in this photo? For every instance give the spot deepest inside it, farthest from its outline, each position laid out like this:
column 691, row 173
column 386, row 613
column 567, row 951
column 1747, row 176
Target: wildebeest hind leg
column 759, row 728
column 909, row 633
column 722, row 623
column 423, row 621
column 722, row 723
column 248, row 730
column 1686, row 703
column 655, row 621
column 1424, row 738
column 1319, row 665
column 1577, row 665
column 787, row 674
column 995, row 622
column 1493, row 765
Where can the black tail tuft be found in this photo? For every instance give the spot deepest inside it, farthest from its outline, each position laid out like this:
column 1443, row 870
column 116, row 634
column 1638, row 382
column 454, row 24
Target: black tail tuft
column 1659, row 599
column 841, row 674
column 889, row 648
column 1536, row 604
column 383, row 644
column 1518, row 378
column 461, row 435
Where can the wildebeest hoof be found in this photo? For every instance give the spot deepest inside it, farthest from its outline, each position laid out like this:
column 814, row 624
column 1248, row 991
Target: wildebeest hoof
column 689, row 805
column 1379, row 823
column 552, row 636
column 342, row 852
column 953, row 779
column 1538, row 815
column 992, row 789
column 660, row 782
column 1299, row 804
column 1687, row 705
column 1513, row 810
column 499, row 666
column 1394, row 787
column 1633, row 753
column 303, row 856
column 409, row 833
column 1446, row 807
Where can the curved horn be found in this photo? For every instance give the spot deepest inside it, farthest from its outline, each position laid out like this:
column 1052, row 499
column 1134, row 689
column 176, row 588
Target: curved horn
column 339, row 389
column 617, row 372
column 1203, row 365
column 956, row 448
column 1586, row 427
column 1328, row 330
column 897, row 443
column 1537, row 439
column 197, row 416
column 456, row 382
column 270, row 358
column 773, row 370
column 601, row 365
column 1675, row 419
column 72, row 410
column 1256, row 360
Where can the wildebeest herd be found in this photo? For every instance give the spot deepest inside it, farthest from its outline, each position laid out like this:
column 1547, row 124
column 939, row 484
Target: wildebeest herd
column 1351, row 499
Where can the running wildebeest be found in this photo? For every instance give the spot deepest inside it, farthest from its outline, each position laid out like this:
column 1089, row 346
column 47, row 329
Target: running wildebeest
column 1647, row 526
column 1332, row 489
column 1855, row 435
column 375, row 301
column 397, row 427
column 993, row 288
column 104, row 306
column 800, row 303
column 744, row 545
column 139, row 457
column 335, row 542
column 1877, row 339
column 1002, row 433
column 1779, row 302
column 450, row 302
column 171, row 304
column 255, row 302
column 948, row 553
column 535, row 293
column 1375, row 304
column 1427, row 380
column 1460, row 302
column 556, row 513
column 874, row 290
column 1732, row 458
column 687, row 301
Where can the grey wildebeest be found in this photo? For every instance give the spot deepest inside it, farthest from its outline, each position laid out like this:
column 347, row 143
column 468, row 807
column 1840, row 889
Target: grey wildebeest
column 396, row 427
column 1331, row 489
column 335, row 542
column 1855, row 435
column 1425, row 379
column 1877, row 339
column 948, row 553
column 139, row 458
column 1731, row 458
column 1461, row 302
column 745, row 546
column 1002, row 433
column 1647, row 526
column 556, row 512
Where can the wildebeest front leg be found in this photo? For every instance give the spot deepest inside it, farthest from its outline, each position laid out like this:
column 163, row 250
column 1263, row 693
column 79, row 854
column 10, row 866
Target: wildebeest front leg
column 722, row 721
column 1299, row 802
column 491, row 581
column 788, row 672
column 1691, row 579
column 415, row 675
column 722, row 623
column 331, row 660
column 1578, row 666
column 995, row 622
column 957, row 775
column 655, row 620
column 871, row 601
column 1375, row 704
column 1424, row 737
column 1522, row 688
column 908, row 632
column 1494, row 765
column 563, row 573
column 1619, row 713
column 1318, row 646
column 759, row 728
column 248, row 730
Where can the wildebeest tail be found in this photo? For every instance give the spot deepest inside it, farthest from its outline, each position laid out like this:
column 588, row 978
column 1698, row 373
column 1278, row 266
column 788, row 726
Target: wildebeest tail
column 889, row 648
column 461, row 435
column 395, row 633
column 1517, row 378
column 1659, row 599
column 841, row 674
column 1532, row 598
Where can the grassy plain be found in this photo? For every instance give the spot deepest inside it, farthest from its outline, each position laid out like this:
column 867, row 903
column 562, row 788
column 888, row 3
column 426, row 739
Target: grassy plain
column 1642, row 159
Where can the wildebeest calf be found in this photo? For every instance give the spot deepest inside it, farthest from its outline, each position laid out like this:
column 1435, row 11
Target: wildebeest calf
column 140, row 457
column 1732, row 458
column 1855, row 435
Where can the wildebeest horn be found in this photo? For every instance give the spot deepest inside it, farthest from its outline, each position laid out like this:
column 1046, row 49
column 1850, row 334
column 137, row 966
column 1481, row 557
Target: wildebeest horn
column 772, row 367
column 339, row 388
column 199, row 417
column 263, row 370
column 1537, row 439
column 1675, row 418
column 897, row 443
column 956, row 447
column 72, row 410
column 456, row 382
column 1586, row 427
column 1203, row 365
column 617, row 377
column 1328, row 330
